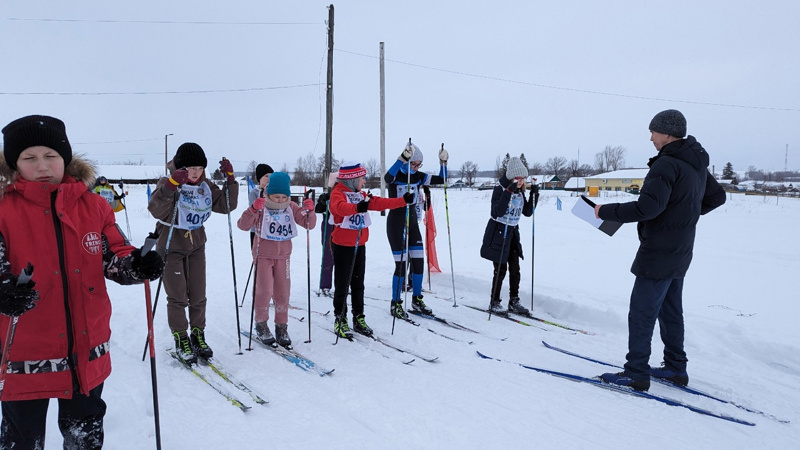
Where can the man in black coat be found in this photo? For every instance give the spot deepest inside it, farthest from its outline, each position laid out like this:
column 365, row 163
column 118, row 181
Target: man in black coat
column 677, row 190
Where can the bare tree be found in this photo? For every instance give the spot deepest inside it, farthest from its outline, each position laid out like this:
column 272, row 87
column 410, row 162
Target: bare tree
column 536, row 169
column 251, row 169
column 556, row 165
column 469, row 171
column 611, row 158
column 500, row 166
column 373, row 178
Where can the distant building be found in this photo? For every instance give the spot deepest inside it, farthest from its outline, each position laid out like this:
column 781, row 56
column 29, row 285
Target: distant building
column 548, row 181
column 575, row 184
column 623, row 180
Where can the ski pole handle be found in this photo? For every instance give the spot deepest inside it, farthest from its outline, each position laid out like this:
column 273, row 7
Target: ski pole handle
column 26, row 275
column 149, row 242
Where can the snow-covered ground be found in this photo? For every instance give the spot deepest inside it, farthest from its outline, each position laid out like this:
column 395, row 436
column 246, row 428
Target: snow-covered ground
column 742, row 341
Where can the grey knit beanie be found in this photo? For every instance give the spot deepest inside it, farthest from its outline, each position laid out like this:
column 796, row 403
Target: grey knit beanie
column 670, row 122
column 515, row 168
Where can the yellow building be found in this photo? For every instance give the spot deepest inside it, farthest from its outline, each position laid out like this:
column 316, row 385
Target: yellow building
column 623, row 180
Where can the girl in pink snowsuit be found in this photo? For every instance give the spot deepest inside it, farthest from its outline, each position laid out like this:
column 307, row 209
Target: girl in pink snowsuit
column 275, row 218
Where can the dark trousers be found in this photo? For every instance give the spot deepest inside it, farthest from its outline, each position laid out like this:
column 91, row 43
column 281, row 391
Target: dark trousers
column 348, row 271
column 651, row 301
column 80, row 420
column 326, row 274
column 514, row 275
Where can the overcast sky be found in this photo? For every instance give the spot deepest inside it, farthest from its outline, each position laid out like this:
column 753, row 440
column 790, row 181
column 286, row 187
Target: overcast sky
column 544, row 78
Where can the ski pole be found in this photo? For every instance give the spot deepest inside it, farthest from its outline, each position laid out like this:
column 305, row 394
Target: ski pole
column 308, row 264
column 425, row 244
column 495, row 288
column 151, row 240
column 449, row 240
column 255, row 283
column 166, row 254
column 533, row 243
column 404, row 256
column 350, row 279
column 24, row 277
column 125, row 207
column 325, row 243
column 247, row 283
column 233, row 265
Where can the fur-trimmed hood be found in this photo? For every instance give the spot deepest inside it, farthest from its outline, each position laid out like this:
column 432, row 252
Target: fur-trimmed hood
column 80, row 169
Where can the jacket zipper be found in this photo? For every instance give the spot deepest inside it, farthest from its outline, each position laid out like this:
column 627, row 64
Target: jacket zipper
column 71, row 358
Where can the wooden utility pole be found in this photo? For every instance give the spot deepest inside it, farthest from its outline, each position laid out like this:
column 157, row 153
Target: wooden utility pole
column 383, row 126
column 329, row 105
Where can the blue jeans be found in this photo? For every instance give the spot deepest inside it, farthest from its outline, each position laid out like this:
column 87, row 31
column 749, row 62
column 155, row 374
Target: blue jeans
column 653, row 300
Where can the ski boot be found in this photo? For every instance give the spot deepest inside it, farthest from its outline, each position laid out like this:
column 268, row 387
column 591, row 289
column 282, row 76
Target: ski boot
column 197, row 339
column 496, row 307
column 282, row 335
column 263, row 334
column 515, row 307
column 624, row 379
column 673, row 376
column 341, row 328
column 360, row 325
column 183, row 348
column 418, row 305
column 397, row 310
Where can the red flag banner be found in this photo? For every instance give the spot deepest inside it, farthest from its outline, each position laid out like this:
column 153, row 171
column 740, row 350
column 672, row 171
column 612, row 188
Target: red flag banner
column 430, row 240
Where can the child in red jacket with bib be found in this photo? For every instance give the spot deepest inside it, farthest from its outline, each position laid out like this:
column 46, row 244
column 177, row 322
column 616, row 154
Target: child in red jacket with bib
column 349, row 206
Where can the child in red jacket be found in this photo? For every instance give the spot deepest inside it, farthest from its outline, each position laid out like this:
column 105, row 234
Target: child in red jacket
column 349, row 207
column 68, row 235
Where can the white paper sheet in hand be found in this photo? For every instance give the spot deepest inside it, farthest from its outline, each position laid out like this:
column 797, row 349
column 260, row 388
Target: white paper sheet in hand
column 584, row 209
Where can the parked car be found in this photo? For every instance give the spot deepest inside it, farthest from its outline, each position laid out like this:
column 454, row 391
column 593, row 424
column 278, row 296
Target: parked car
column 486, row 186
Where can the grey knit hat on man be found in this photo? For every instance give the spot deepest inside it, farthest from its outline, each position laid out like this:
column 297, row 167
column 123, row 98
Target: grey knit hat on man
column 515, row 169
column 670, row 122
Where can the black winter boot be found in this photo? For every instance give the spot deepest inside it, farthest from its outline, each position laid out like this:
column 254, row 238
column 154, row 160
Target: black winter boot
column 198, row 341
column 183, row 348
column 282, row 335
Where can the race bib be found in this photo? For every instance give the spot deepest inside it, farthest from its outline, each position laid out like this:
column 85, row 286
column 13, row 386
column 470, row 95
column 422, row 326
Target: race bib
column 513, row 212
column 278, row 225
column 418, row 201
column 356, row 221
column 107, row 194
column 194, row 206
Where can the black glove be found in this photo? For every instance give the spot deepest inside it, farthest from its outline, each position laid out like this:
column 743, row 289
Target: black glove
column 534, row 195
column 427, row 205
column 362, row 206
column 512, row 187
column 322, row 201
column 148, row 266
column 119, row 197
column 16, row 300
column 408, row 197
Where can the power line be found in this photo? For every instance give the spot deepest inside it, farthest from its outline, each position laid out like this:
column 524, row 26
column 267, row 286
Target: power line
column 118, row 142
column 158, row 22
column 198, row 91
column 562, row 88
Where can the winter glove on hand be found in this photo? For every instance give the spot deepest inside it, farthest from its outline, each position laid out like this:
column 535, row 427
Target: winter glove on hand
column 322, row 202
column 534, row 195
column 408, row 152
column 363, row 205
column 179, row 177
column 259, row 203
column 512, row 187
column 308, row 204
column 408, row 197
column 443, row 156
column 226, row 167
column 16, row 300
column 148, row 266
